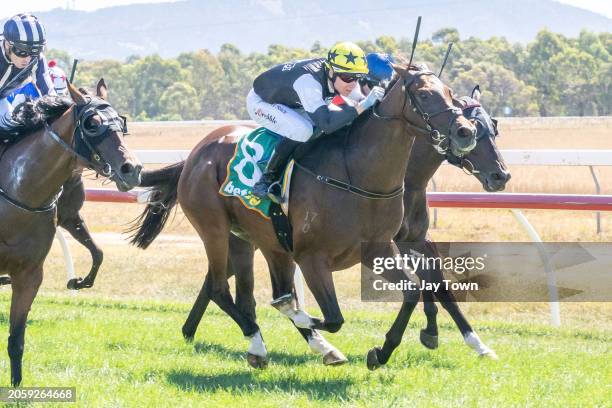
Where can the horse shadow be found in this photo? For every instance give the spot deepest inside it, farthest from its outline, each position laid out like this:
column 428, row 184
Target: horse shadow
column 279, row 357
column 315, row 389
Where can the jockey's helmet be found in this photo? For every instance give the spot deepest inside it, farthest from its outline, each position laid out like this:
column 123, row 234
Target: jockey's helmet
column 379, row 67
column 58, row 77
column 25, row 34
column 347, row 58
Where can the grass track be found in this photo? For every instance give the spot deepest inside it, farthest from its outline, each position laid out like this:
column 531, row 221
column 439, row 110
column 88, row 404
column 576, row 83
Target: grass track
column 132, row 354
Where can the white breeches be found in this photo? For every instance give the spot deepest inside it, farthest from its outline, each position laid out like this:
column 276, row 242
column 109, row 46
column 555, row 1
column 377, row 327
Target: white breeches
column 279, row 118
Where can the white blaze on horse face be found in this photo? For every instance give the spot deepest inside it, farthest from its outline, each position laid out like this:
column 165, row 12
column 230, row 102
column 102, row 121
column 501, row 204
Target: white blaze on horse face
column 257, row 346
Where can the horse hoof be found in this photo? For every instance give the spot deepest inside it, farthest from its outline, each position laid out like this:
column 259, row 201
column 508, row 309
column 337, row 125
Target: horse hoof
column 73, row 284
column 257, row 361
column 333, row 358
column 188, row 338
column 489, row 354
column 372, row 359
column 428, row 340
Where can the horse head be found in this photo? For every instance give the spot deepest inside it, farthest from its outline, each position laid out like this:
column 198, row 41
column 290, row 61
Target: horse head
column 99, row 137
column 428, row 106
column 485, row 161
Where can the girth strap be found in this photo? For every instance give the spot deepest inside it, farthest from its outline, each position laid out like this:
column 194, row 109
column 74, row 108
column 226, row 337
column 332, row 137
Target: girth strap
column 341, row 185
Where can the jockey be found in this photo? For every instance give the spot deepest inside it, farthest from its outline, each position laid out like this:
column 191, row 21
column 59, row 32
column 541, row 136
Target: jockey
column 58, row 77
column 23, row 68
column 290, row 100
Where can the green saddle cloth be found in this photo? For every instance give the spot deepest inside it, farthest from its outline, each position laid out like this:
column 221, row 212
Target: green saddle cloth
column 246, row 166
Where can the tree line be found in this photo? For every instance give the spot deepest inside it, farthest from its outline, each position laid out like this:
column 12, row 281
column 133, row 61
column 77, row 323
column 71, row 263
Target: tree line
column 551, row 76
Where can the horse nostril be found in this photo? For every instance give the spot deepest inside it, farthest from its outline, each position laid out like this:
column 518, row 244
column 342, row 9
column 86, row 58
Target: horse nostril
column 465, row 132
column 501, row 176
column 127, row 168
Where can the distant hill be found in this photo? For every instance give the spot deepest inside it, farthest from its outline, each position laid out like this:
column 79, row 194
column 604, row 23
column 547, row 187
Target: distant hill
column 252, row 25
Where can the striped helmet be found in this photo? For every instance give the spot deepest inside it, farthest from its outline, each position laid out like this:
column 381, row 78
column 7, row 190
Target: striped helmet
column 25, row 32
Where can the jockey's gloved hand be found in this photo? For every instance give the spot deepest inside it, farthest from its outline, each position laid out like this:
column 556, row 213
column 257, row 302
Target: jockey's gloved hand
column 375, row 95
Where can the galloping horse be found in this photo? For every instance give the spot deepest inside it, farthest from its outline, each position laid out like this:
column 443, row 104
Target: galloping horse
column 329, row 223
column 59, row 137
column 484, row 162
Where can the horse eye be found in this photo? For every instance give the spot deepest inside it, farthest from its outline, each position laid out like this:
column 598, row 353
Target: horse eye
column 91, row 124
column 423, row 95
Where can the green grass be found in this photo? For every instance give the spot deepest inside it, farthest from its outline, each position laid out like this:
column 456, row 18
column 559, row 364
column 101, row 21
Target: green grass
column 133, row 354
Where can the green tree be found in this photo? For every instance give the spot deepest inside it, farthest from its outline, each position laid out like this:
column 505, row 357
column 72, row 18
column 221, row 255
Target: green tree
column 151, row 77
column 501, row 90
column 180, row 101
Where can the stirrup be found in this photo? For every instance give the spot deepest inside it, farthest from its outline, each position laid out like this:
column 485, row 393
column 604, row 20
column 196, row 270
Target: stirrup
column 275, row 192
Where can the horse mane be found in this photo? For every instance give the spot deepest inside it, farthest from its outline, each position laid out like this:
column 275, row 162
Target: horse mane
column 31, row 115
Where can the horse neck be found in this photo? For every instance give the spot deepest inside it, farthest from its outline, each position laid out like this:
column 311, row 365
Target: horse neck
column 38, row 166
column 423, row 162
column 378, row 149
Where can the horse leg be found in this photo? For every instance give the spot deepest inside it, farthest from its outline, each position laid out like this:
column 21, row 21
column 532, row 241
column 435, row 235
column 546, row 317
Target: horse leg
column 76, row 226
column 197, row 311
column 5, row 280
column 279, row 264
column 449, row 303
column 378, row 356
column 240, row 263
column 242, row 254
column 320, row 281
column 25, row 286
column 429, row 335
column 213, row 227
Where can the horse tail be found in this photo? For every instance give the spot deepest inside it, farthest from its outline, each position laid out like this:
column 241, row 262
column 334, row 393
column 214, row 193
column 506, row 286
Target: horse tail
column 163, row 196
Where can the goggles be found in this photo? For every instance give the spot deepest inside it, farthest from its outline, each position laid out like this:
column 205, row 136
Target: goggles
column 24, row 51
column 348, row 78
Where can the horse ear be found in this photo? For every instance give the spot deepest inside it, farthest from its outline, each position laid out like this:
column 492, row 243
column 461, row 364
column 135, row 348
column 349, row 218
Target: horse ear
column 101, row 89
column 476, row 93
column 401, row 71
column 76, row 96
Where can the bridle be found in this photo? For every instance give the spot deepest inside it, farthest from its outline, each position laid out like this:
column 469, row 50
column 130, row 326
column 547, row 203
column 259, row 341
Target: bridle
column 84, row 142
column 464, row 163
column 439, row 140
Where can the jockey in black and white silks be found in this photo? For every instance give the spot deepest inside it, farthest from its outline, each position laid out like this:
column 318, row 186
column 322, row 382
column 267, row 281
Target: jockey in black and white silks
column 23, row 69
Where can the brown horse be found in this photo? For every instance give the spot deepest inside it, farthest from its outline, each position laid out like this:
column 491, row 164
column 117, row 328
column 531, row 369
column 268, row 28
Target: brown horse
column 484, row 162
column 329, row 223
column 59, row 138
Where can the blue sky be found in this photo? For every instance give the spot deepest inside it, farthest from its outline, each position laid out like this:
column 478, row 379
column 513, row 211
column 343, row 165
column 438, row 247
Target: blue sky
column 10, row 7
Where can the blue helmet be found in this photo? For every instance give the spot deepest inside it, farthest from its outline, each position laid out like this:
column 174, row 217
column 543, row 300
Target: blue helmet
column 25, row 32
column 379, row 67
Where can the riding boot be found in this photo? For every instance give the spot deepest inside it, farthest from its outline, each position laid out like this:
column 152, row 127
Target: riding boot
column 268, row 184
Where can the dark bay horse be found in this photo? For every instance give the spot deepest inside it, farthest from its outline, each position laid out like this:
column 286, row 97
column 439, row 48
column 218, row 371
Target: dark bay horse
column 484, row 162
column 60, row 136
column 329, row 224
column 487, row 165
